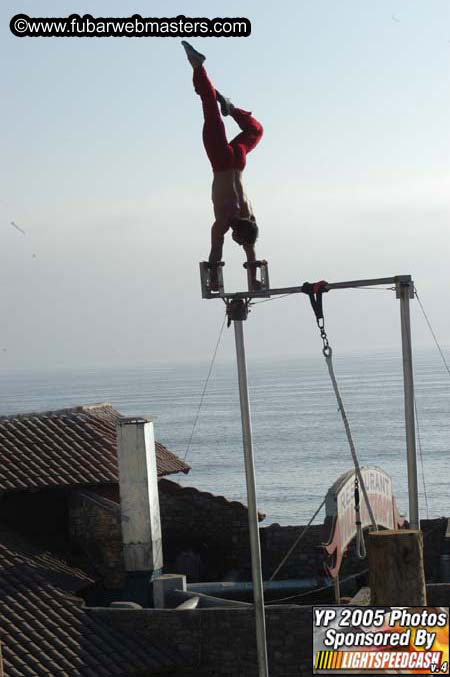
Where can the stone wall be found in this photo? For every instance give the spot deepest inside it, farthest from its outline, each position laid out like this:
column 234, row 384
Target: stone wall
column 433, row 541
column 206, row 537
column 305, row 561
column 221, row 642
column 94, row 524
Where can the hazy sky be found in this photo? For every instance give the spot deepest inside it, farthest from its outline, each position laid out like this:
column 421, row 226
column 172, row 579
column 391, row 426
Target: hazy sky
column 104, row 170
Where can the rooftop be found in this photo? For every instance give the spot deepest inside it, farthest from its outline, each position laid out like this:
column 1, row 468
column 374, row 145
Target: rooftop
column 67, row 447
column 181, row 492
column 45, row 630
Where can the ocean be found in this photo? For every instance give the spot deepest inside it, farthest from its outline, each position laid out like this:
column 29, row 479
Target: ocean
column 299, row 441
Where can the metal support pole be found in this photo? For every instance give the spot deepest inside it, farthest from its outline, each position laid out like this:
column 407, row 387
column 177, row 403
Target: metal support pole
column 405, row 291
column 258, row 592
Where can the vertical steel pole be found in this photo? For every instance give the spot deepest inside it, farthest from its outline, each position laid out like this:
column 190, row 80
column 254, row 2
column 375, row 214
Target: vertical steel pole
column 404, row 290
column 258, row 592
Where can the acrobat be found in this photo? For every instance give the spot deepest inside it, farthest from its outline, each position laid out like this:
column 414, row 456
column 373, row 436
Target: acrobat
column 232, row 208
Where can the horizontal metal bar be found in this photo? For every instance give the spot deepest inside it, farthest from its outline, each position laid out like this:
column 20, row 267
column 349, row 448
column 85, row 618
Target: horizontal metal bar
column 260, row 293
column 405, row 279
column 264, row 293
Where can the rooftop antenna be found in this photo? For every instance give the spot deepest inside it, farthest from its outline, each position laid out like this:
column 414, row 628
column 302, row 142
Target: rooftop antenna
column 237, row 310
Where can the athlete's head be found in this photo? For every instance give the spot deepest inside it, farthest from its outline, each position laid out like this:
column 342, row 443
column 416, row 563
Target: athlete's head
column 245, row 231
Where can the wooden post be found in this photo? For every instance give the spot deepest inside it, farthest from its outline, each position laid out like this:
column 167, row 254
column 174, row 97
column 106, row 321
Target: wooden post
column 396, row 573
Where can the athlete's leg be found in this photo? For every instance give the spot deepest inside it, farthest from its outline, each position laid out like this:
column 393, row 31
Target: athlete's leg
column 251, row 134
column 217, row 148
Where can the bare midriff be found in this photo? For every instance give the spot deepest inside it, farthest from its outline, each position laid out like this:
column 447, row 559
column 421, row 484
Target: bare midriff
column 228, row 195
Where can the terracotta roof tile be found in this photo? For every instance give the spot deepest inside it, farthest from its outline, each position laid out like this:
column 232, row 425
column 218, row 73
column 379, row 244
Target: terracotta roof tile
column 45, row 631
column 67, row 447
column 170, row 487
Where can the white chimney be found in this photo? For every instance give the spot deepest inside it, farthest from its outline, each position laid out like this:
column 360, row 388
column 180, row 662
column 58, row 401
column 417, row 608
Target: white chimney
column 139, row 501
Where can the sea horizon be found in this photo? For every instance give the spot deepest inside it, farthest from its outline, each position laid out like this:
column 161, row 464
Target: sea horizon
column 299, row 441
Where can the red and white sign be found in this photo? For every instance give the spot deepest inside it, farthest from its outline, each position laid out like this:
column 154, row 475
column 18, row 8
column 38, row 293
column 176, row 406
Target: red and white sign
column 340, row 510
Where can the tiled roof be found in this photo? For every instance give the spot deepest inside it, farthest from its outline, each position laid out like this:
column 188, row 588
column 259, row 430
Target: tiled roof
column 111, row 493
column 55, row 570
column 173, row 488
column 67, row 447
column 45, row 630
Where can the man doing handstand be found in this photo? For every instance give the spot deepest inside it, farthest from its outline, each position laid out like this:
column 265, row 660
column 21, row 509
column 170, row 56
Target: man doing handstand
column 231, row 206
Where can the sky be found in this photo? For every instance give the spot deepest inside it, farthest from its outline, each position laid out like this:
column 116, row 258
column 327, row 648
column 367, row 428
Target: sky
column 103, row 169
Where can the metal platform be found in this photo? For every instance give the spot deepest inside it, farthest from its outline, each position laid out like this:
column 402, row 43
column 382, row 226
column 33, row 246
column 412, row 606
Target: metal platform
column 397, row 281
column 237, row 310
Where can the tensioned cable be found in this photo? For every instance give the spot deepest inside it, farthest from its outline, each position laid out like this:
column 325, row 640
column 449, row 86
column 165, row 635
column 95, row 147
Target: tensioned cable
column 432, row 332
column 361, row 549
column 343, row 580
column 311, row 592
column 421, row 458
column 275, row 298
column 315, row 292
column 283, row 296
column 297, row 541
column 327, row 352
column 205, row 386
column 372, row 288
column 415, row 403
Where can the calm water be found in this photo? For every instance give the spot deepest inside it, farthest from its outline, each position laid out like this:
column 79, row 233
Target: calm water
column 300, row 444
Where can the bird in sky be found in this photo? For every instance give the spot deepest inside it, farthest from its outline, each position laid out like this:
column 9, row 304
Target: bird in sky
column 17, row 227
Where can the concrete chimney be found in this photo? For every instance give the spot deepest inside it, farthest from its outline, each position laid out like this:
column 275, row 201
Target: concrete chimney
column 139, row 501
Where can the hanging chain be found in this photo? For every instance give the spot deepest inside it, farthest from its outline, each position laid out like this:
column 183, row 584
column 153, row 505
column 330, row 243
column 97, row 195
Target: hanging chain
column 323, row 335
column 315, row 297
